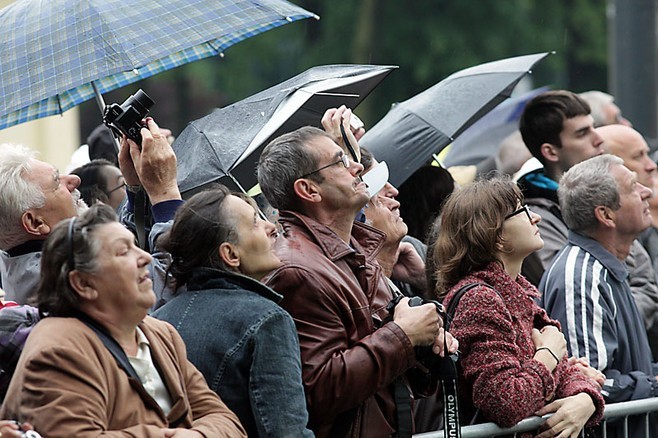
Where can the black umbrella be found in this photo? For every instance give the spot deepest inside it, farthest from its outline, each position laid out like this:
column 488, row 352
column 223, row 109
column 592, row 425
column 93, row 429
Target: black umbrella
column 482, row 139
column 228, row 141
column 413, row 130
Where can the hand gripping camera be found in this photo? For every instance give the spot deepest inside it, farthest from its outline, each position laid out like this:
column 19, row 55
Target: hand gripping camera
column 127, row 117
column 434, row 363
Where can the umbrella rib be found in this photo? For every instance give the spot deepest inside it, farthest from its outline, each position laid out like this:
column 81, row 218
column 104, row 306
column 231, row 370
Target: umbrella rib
column 215, row 48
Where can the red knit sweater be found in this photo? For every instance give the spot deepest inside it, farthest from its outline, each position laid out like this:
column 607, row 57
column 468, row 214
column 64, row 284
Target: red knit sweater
column 498, row 374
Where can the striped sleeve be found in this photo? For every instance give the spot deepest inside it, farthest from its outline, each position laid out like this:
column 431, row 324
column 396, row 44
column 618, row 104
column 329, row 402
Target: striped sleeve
column 577, row 292
column 588, row 311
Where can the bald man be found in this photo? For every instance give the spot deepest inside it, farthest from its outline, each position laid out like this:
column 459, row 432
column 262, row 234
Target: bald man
column 629, row 145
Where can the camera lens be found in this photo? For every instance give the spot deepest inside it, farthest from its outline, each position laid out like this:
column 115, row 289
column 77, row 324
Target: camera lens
column 141, row 102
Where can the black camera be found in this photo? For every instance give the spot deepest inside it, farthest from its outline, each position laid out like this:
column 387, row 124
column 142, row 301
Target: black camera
column 127, row 117
column 434, row 363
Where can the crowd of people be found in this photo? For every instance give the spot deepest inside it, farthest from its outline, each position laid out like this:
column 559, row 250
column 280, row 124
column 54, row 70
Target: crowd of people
column 231, row 325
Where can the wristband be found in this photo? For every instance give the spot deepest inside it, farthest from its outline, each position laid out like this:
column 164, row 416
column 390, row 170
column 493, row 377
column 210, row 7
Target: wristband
column 550, row 351
column 133, row 189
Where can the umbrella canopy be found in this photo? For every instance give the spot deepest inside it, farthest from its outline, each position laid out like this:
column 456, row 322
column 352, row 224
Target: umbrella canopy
column 55, row 52
column 227, row 142
column 415, row 129
column 482, row 139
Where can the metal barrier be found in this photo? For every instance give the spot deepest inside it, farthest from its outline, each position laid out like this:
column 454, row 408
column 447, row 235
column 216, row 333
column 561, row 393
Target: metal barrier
column 613, row 411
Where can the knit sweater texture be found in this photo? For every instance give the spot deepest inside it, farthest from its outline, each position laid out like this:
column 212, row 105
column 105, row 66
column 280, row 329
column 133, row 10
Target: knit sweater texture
column 497, row 372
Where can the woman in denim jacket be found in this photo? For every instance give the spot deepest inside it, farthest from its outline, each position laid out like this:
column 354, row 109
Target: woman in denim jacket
column 245, row 345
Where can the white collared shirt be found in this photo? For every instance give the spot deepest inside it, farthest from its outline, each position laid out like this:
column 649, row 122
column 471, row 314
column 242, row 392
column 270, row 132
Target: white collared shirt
column 148, row 373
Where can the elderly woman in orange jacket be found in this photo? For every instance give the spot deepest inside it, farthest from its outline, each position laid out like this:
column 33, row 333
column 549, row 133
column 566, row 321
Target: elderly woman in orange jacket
column 96, row 364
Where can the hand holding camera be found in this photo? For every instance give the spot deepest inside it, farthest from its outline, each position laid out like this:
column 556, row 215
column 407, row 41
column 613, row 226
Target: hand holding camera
column 420, row 321
column 423, row 321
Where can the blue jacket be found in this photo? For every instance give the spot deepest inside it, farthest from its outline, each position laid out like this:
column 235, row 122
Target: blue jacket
column 247, row 348
column 586, row 289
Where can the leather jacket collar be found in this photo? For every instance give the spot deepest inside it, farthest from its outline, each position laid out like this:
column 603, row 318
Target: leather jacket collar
column 365, row 239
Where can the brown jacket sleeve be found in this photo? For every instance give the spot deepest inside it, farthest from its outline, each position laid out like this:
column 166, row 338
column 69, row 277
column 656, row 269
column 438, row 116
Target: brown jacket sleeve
column 344, row 359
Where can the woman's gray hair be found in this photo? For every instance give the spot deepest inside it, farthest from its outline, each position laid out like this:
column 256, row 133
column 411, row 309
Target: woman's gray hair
column 584, row 187
column 18, row 194
column 283, row 161
column 55, row 295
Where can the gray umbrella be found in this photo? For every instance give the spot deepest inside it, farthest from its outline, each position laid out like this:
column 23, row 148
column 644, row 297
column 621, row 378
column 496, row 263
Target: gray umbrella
column 228, row 141
column 413, row 130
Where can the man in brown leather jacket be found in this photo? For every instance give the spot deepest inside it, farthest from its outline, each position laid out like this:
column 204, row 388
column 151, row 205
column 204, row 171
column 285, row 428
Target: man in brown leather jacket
column 335, row 290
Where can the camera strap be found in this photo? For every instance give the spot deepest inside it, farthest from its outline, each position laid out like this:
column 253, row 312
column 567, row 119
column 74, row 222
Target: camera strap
column 448, row 371
column 140, row 218
column 401, row 393
column 111, row 344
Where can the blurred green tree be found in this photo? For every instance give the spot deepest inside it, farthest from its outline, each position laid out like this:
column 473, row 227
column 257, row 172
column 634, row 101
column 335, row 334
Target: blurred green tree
column 429, row 40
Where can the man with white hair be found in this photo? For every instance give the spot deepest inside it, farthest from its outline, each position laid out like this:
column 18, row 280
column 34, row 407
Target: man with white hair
column 35, row 198
column 604, row 110
column 629, row 145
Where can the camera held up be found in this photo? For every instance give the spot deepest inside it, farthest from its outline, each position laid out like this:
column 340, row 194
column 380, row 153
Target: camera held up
column 434, row 363
column 127, row 117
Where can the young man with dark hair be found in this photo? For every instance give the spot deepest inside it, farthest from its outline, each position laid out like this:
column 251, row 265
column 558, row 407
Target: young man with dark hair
column 559, row 131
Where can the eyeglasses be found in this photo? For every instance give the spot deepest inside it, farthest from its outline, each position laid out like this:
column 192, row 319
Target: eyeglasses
column 121, row 186
column 523, row 208
column 344, row 159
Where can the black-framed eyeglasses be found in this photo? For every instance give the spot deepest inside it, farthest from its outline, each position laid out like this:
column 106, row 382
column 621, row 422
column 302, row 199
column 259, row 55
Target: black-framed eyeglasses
column 344, row 160
column 121, row 186
column 524, row 208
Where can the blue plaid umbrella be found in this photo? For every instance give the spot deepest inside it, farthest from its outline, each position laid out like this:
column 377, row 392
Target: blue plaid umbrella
column 57, row 54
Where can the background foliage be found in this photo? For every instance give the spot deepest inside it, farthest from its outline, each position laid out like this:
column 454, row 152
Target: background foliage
column 428, row 39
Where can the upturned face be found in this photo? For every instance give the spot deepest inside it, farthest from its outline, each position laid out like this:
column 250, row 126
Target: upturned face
column 633, row 215
column 122, row 282
column 341, row 189
column 255, row 239
column 580, row 141
column 62, row 198
column 520, row 233
column 383, row 213
column 115, row 185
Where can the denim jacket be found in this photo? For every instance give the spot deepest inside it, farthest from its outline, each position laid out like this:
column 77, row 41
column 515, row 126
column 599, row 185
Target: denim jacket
column 247, row 348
